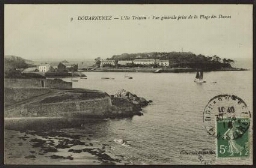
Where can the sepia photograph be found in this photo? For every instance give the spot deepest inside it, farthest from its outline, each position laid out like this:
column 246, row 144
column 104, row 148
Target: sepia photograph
column 115, row 84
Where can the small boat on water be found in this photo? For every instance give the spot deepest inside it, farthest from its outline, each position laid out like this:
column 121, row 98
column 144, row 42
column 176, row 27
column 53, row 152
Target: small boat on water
column 158, row 71
column 83, row 77
column 129, row 77
column 107, row 78
column 199, row 77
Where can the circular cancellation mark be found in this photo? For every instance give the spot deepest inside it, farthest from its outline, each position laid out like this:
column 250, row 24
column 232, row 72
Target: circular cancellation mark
column 223, row 107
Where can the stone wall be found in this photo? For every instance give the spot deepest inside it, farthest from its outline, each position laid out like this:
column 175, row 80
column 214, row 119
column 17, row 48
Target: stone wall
column 39, row 83
column 14, row 95
column 76, row 103
column 57, row 83
column 94, row 107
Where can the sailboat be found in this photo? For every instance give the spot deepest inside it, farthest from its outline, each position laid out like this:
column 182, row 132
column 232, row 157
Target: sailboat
column 199, row 77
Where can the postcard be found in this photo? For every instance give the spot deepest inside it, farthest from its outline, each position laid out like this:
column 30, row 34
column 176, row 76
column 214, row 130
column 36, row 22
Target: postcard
column 141, row 84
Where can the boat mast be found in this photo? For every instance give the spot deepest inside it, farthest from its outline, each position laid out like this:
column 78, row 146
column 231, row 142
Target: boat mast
column 201, row 75
column 197, row 75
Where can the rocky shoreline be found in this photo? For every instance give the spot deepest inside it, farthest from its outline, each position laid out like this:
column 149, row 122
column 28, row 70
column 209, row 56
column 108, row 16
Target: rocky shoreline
column 124, row 100
column 34, row 135
column 56, row 148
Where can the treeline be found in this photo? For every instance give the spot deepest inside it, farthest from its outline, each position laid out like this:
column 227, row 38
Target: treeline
column 13, row 66
column 181, row 59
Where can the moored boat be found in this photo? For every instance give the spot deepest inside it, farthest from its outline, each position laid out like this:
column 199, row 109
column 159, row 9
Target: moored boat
column 199, row 77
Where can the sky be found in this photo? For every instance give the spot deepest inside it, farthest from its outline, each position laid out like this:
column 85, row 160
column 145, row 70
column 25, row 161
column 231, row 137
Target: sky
column 46, row 32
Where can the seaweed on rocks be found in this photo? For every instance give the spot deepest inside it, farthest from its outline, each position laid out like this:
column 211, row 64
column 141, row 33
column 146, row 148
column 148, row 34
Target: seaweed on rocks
column 30, row 157
column 61, row 157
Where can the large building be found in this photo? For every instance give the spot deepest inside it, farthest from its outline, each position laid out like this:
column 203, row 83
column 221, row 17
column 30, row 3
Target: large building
column 125, row 62
column 107, row 62
column 67, row 67
column 45, row 68
column 144, row 61
column 164, row 63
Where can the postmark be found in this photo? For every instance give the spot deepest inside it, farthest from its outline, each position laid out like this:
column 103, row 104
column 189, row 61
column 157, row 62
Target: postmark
column 227, row 118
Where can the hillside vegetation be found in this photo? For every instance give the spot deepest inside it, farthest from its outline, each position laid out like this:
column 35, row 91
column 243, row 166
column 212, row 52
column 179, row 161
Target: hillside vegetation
column 12, row 64
column 181, row 59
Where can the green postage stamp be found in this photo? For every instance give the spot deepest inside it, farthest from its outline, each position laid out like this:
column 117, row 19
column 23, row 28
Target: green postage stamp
column 232, row 138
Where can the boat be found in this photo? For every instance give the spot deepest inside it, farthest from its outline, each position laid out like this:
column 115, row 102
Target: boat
column 129, row 77
column 107, row 78
column 199, row 77
column 158, row 71
column 83, row 77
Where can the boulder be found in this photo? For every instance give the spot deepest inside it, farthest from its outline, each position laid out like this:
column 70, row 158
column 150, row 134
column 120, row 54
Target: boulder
column 127, row 103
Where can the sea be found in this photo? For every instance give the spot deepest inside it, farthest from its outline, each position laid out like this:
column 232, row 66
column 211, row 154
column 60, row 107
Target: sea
column 174, row 121
column 171, row 124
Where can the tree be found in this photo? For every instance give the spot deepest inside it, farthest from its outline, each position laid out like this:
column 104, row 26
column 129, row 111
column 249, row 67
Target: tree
column 216, row 58
column 97, row 61
column 230, row 61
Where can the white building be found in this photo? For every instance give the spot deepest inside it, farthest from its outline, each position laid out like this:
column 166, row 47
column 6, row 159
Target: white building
column 144, row 61
column 164, row 63
column 107, row 62
column 124, row 62
column 44, row 67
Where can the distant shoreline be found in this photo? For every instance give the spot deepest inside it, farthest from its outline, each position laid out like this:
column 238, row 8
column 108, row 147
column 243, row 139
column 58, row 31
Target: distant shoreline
column 161, row 70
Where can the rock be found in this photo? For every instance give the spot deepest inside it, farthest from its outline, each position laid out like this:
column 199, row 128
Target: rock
column 135, row 102
column 77, row 151
column 63, row 144
column 69, row 157
column 133, row 98
column 50, row 149
column 127, row 104
column 77, row 142
column 30, row 157
column 61, row 157
column 37, row 140
column 57, row 157
column 143, row 102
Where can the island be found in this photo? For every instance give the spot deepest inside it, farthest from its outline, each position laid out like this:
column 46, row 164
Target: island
column 164, row 62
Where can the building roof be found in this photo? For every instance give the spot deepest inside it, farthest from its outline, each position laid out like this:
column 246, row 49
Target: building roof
column 68, row 64
column 45, row 64
column 144, row 60
column 125, row 61
column 54, row 64
column 107, row 60
column 32, row 69
column 65, row 61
